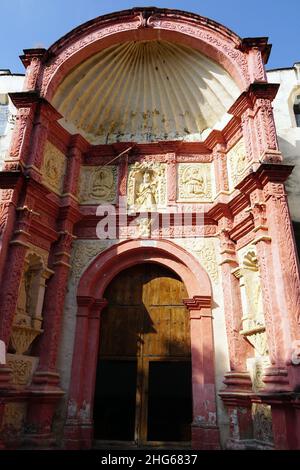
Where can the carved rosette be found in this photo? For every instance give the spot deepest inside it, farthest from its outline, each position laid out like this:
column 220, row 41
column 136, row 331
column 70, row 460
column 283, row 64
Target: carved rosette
column 98, row 184
column 146, row 186
column 237, row 163
column 53, row 168
column 194, row 182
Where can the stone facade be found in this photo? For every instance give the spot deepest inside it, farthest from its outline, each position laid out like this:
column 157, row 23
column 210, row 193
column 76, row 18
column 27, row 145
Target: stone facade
column 85, row 195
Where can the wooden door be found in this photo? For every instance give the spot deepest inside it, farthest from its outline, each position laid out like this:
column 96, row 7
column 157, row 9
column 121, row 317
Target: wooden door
column 144, row 369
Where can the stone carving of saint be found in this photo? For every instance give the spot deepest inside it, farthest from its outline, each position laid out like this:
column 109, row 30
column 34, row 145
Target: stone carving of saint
column 146, row 192
column 194, row 181
column 51, row 170
column 23, row 316
column 102, row 184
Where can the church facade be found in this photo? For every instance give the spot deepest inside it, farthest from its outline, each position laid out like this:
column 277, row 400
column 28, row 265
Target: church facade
column 149, row 271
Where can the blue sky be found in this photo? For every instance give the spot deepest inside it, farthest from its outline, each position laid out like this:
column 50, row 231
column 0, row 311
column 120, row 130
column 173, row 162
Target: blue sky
column 39, row 23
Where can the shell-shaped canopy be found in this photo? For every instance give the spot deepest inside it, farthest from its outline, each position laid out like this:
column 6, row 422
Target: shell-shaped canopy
column 145, row 91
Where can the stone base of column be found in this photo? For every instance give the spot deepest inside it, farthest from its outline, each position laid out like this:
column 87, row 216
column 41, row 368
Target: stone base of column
column 247, row 444
column 205, row 437
column 237, row 381
column 5, row 378
column 276, row 380
column 236, row 397
column 78, row 436
column 5, row 387
column 45, row 394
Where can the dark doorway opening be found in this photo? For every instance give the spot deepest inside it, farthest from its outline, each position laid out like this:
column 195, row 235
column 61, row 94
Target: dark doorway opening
column 114, row 409
column 169, row 401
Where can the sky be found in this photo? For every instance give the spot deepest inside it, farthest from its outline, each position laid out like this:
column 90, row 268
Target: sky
column 39, row 23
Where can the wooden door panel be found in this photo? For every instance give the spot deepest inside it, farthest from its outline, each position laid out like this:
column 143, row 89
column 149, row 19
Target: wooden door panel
column 180, row 343
column 121, row 327
column 145, row 320
column 163, row 290
column 156, row 342
column 126, row 289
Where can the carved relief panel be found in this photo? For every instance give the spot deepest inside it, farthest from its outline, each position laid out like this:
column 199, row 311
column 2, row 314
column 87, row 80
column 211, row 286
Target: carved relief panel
column 204, row 249
column 146, row 186
column 53, row 168
column 98, row 184
column 194, row 182
column 237, row 163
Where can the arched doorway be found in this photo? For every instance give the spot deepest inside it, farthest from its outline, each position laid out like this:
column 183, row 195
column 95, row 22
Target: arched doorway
column 143, row 390
column 79, row 427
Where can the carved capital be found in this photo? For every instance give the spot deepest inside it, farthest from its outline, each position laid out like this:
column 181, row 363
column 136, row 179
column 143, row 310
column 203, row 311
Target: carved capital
column 96, row 308
column 198, row 302
column 85, row 301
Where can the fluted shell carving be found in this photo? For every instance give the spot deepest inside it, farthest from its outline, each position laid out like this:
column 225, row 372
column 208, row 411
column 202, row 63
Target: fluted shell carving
column 145, row 91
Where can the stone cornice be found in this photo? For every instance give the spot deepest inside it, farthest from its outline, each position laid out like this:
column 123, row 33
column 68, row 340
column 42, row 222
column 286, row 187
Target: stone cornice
column 197, row 302
column 260, row 43
column 26, row 99
column 257, row 90
column 29, row 54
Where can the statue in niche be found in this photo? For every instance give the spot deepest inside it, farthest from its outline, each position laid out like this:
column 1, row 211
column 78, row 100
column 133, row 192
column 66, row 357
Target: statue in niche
column 102, row 183
column 146, row 188
column 22, row 317
column 28, row 318
column 195, row 183
column 146, row 191
column 253, row 287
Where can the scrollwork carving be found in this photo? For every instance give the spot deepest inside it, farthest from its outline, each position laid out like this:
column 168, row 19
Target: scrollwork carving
column 83, row 252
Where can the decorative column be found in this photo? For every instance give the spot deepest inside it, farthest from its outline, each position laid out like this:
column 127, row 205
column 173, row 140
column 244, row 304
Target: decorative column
column 171, row 178
column 44, row 116
column 123, row 172
column 32, row 60
column 90, row 372
column 10, row 286
column 205, row 432
column 217, row 143
column 249, row 134
column 71, row 183
column 11, row 178
column 286, row 268
column 238, row 347
column 11, row 281
column 26, row 104
column 236, row 395
column 45, row 382
column 278, row 266
column 279, row 273
column 78, row 432
column 254, row 108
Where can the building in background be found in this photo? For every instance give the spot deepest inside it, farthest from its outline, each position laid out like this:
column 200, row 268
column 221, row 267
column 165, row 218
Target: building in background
column 149, row 275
